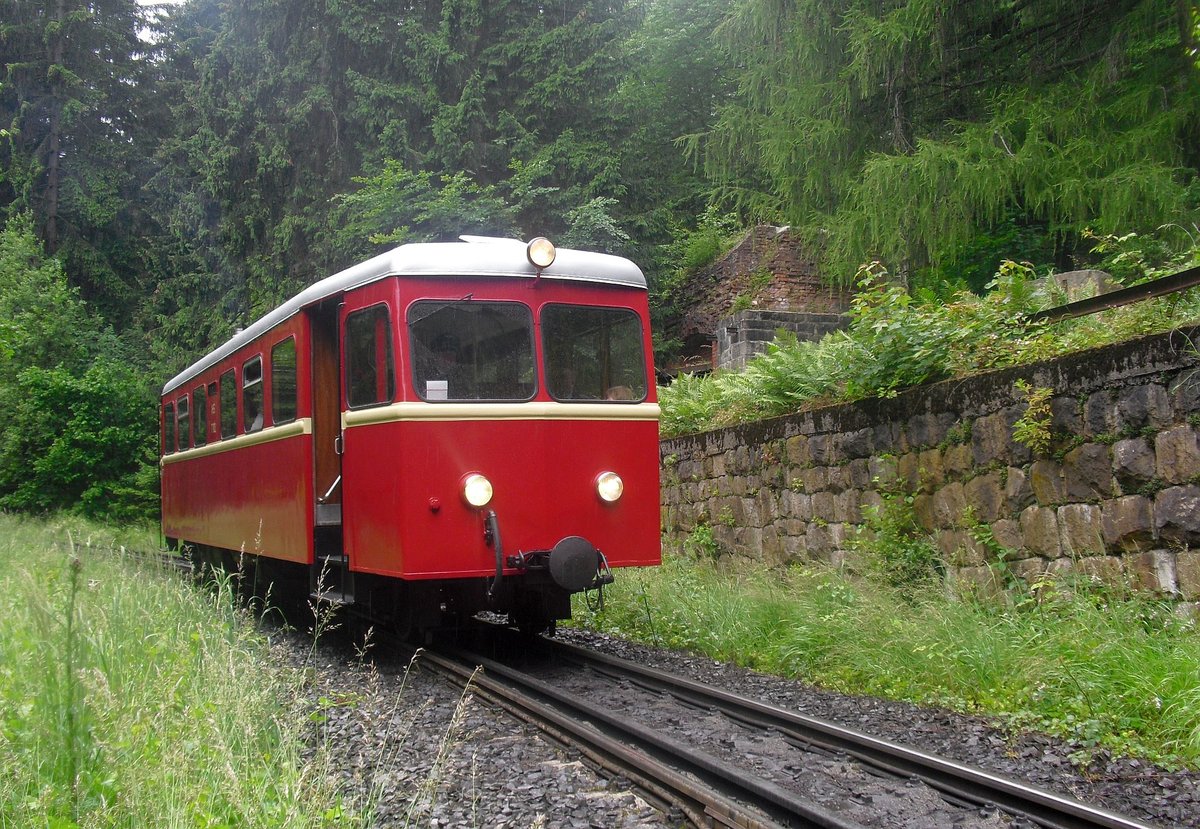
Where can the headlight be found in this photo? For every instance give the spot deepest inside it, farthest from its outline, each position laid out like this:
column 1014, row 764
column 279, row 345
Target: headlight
column 540, row 252
column 477, row 490
column 609, row 486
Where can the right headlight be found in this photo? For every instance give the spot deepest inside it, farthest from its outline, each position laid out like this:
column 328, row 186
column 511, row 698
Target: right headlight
column 609, row 486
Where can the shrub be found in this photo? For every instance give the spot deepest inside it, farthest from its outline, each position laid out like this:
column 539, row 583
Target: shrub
column 85, row 443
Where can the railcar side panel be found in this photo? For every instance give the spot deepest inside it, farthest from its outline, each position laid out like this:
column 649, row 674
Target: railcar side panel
column 254, row 499
column 253, row 490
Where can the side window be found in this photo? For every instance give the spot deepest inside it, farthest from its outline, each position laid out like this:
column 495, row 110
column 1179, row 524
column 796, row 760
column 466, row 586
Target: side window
column 370, row 373
column 200, row 405
column 283, row 381
column 185, row 423
column 228, row 403
column 252, row 395
column 168, row 428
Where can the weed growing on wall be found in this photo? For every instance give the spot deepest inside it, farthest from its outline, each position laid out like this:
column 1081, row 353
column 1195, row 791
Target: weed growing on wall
column 1032, row 428
column 894, row 547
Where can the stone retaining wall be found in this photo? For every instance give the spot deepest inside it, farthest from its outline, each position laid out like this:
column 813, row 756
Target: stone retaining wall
column 1115, row 497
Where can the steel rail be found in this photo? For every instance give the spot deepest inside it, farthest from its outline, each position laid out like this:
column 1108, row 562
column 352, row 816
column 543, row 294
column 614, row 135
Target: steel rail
column 958, row 780
column 707, row 791
column 1162, row 286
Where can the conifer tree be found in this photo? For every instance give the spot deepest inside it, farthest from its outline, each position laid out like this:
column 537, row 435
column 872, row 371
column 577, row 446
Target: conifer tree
column 904, row 128
column 71, row 145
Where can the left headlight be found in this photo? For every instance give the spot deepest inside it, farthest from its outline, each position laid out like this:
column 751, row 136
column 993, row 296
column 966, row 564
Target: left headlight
column 476, row 490
column 609, row 486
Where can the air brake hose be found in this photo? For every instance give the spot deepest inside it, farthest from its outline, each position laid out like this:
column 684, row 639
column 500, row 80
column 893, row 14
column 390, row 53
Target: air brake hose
column 491, row 534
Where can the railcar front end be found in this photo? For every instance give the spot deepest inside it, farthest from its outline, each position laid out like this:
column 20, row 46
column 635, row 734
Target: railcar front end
column 481, row 433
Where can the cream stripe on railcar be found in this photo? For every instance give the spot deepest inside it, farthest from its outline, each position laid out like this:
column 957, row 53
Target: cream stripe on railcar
column 537, row 410
column 270, row 434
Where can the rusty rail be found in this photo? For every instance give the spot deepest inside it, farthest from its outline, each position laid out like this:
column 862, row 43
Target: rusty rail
column 1162, row 286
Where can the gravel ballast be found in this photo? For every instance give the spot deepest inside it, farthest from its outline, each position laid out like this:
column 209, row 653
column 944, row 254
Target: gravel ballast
column 426, row 755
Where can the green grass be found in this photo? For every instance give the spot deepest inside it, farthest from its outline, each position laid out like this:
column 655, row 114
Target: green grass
column 129, row 698
column 1115, row 673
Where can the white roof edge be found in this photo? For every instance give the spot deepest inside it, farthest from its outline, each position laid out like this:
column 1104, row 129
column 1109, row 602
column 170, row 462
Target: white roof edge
column 477, row 257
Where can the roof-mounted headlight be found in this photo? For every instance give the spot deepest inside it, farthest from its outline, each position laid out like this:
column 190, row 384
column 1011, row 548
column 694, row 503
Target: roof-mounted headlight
column 540, row 252
column 609, row 486
column 476, row 490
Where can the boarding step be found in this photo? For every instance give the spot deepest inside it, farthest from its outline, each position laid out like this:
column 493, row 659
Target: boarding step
column 329, row 515
column 331, row 581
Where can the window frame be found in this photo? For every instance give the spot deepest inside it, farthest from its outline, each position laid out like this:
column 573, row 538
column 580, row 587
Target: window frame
column 170, row 427
column 227, row 414
column 606, row 385
column 252, row 385
column 385, row 391
column 418, row 347
column 183, row 420
column 200, row 415
column 276, row 375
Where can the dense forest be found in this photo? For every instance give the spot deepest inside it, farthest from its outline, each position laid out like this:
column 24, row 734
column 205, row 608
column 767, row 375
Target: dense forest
column 168, row 173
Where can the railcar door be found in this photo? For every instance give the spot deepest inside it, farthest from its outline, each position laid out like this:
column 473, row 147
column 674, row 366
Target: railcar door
column 326, row 413
column 370, row 458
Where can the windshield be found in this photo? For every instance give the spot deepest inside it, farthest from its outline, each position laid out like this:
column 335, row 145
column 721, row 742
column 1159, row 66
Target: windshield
column 593, row 353
column 471, row 350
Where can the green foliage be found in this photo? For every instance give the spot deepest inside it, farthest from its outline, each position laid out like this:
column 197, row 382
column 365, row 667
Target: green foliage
column 896, row 341
column 896, row 549
column 1112, row 672
column 715, row 233
column 77, row 431
column 702, row 544
column 86, row 443
column 893, row 342
column 904, row 130
column 974, row 264
column 42, row 320
column 74, row 139
column 592, row 226
column 1032, row 428
column 398, row 205
column 1136, row 257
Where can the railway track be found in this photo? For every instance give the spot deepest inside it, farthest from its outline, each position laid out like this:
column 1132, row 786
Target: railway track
column 590, row 700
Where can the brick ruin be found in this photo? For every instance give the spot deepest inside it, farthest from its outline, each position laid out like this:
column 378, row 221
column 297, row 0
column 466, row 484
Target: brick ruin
column 767, row 282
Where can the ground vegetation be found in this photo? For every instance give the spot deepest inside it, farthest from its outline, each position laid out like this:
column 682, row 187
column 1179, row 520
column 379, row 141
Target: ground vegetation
column 131, row 698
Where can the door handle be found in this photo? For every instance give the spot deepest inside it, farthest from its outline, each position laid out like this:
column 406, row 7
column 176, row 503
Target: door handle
column 338, row 445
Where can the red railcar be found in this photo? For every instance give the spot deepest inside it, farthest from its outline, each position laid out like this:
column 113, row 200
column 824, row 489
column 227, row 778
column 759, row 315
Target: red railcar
column 443, row 429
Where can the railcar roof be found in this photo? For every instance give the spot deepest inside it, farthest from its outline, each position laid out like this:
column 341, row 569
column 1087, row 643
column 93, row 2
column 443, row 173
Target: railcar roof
column 478, row 257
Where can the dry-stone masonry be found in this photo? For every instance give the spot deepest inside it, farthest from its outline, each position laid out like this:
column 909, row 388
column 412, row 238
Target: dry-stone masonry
column 746, row 334
column 1116, row 497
